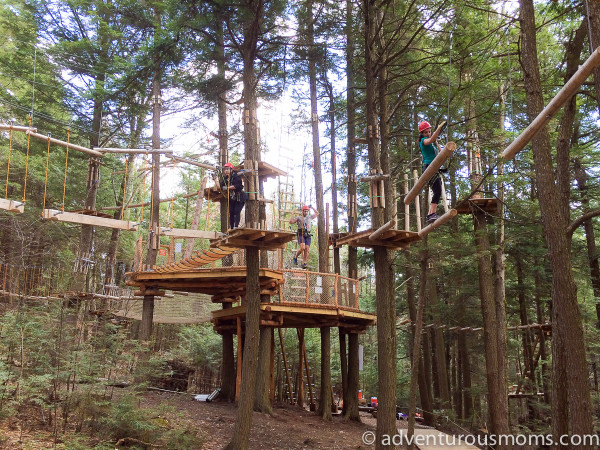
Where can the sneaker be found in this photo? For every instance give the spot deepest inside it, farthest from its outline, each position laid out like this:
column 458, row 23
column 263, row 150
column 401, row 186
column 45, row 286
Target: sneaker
column 295, row 260
column 431, row 218
column 304, row 266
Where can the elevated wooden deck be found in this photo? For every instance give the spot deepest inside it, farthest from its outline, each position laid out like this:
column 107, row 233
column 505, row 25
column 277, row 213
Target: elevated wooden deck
column 292, row 315
column 489, row 205
column 254, row 237
column 392, row 239
column 220, row 282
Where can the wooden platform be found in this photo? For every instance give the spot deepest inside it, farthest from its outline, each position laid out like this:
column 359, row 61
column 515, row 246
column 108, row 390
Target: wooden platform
column 392, row 239
column 334, row 237
column 190, row 234
column 280, row 315
column 254, row 237
column 12, row 206
column 88, row 219
column 489, row 205
column 222, row 282
column 265, row 170
column 213, row 194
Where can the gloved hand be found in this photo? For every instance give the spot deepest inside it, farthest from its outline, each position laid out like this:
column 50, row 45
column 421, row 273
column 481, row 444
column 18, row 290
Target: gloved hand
column 443, row 126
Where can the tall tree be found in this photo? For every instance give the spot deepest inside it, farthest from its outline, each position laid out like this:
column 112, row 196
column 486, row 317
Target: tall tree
column 570, row 394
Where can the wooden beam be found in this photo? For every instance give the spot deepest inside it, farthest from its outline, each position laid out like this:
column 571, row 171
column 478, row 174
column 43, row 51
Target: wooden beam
column 5, row 127
column 555, row 104
column 136, row 205
column 438, row 223
column 189, row 234
column 41, row 137
column 430, row 172
column 12, row 206
column 63, row 216
column 134, row 150
column 189, row 161
column 378, row 232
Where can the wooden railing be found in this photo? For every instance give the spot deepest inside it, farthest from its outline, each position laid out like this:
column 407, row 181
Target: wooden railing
column 318, row 289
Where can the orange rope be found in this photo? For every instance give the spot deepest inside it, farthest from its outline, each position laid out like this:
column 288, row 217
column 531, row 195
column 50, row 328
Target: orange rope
column 46, row 179
column 66, row 164
column 27, row 161
column 125, row 187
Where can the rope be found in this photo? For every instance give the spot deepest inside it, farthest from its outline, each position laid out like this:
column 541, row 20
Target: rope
column 125, row 186
column 46, row 178
column 8, row 165
column 66, row 165
column 27, row 160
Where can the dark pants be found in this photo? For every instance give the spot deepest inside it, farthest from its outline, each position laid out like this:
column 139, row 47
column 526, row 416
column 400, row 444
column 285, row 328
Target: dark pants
column 435, row 183
column 235, row 213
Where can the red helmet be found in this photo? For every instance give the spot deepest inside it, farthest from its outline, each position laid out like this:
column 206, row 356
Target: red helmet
column 423, row 126
column 228, row 165
column 305, row 208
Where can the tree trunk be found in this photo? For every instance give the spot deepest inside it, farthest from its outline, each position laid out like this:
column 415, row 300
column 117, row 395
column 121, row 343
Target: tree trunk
column 241, row 431
column 424, row 385
column 384, row 281
column 153, row 235
column 343, row 369
column 325, row 397
column 570, row 371
column 351, row 400
column 590, row 238
column 494, row 356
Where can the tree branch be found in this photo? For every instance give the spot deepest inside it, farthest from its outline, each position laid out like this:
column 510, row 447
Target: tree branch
column 577, row 222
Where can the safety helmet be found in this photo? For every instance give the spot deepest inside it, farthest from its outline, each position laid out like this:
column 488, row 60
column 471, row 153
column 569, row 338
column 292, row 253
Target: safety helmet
column 423, row 126
column 228, row 165
column 305, row 208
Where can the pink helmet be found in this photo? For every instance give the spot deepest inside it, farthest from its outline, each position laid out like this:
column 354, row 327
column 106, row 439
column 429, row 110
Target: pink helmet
column 228, row 165
column 305, row 208
column 423, row 126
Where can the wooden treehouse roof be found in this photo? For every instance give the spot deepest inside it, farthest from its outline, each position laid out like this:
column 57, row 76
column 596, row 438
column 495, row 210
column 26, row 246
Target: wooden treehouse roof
column 294, row 315
column 392, row 239
column 489, row 205
column 254, row 237
column 219, row 282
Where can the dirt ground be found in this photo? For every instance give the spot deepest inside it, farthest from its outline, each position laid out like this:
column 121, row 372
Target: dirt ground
column 288, row 428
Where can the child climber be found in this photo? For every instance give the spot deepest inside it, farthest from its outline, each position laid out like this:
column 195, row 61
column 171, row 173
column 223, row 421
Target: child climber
column 429, row 152
column 303, row 223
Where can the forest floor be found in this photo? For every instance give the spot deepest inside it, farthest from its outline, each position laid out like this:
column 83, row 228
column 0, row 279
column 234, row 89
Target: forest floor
column 288, row 427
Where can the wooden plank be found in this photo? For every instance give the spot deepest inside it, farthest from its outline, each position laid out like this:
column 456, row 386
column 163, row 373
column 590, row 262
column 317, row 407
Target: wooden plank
column 12, row 206
column 189, row 234
column 63, row 216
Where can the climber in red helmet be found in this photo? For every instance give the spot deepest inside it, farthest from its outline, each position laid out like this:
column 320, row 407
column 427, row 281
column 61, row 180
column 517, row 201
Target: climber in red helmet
column 429, row 152
column 303, row 223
